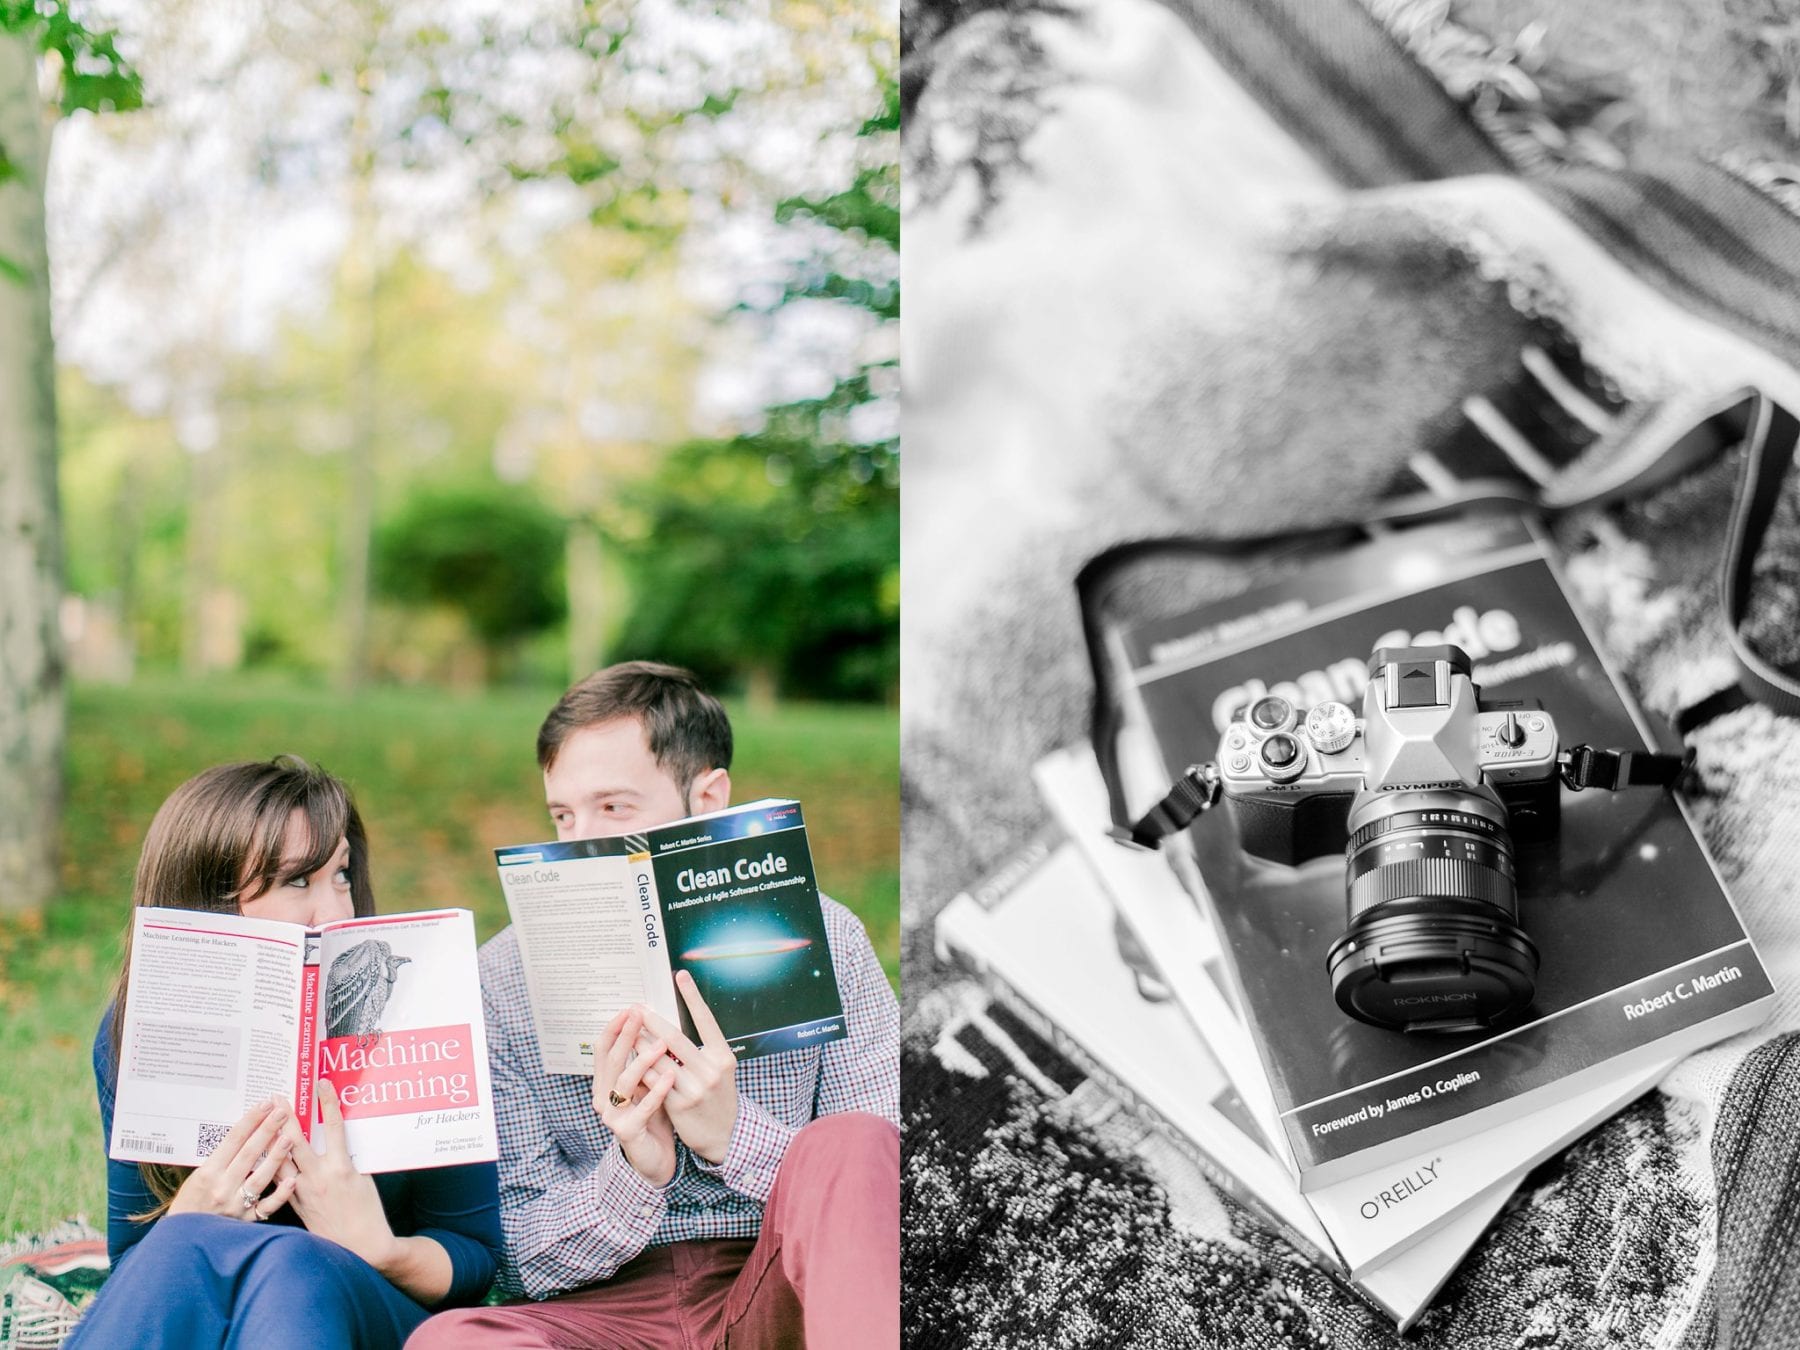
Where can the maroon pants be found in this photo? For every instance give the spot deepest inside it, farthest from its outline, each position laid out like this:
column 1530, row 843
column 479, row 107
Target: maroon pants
column 825, row 1271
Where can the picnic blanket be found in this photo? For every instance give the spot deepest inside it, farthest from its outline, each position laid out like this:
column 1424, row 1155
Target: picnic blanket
column 1232, row 268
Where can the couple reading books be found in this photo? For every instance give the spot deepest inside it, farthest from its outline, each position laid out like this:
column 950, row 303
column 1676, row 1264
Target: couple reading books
column 677, row 1198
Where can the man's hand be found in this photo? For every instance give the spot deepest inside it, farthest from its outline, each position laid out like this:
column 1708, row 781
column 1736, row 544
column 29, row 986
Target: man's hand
column 702, row 1079
column 641, row 1126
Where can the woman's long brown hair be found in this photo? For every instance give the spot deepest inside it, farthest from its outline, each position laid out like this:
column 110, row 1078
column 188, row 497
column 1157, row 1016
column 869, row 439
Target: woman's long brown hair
column 216, row 840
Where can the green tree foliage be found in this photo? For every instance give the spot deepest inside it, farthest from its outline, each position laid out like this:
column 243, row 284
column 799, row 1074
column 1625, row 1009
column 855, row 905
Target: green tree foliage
column 493, row 556
column 91, row 72
column 450, row 378
column 772, row 554
column 776, row 553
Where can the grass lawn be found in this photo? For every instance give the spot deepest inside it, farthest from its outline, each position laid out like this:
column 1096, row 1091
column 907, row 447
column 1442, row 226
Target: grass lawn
column 441, row 780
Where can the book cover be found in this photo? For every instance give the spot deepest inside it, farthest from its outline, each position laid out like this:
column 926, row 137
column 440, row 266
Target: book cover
column 224, row 1011
column 1372, row 1217
column 729, row 897
column 1643, row 956
column 1039, row 934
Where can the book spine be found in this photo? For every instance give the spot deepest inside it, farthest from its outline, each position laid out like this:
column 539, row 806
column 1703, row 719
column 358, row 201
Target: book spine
column 304, row 1063
column 1072, row 1050
column 653, row 938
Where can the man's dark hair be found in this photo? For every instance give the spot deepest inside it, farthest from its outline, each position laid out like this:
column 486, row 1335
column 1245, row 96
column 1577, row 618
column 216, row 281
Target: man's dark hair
column 687, row 728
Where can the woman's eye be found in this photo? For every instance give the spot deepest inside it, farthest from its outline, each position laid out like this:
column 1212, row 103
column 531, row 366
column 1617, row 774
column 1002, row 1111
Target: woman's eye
column 341, row 876
column 300, row 881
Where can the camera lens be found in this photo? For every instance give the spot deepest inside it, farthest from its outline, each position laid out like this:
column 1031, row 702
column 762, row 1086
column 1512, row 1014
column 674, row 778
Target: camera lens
column 1433, row 941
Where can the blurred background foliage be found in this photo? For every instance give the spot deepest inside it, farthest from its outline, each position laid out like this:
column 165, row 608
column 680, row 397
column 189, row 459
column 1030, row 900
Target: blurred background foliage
column 371, row 299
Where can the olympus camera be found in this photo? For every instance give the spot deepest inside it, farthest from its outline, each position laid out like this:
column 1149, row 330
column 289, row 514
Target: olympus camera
column 1427, row 795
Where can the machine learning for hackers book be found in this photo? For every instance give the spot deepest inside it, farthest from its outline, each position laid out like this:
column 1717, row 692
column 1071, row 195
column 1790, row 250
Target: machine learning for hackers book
column 225, row 1011
column 730, row 897
column 1643, row 956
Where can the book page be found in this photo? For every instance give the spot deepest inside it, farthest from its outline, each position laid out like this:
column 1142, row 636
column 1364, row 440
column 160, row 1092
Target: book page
column 212, row 1026
column 401, row 1037
column 590, row 935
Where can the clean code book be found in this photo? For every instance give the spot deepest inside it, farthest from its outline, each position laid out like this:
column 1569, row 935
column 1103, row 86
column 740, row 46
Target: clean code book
column 1643, row 955
column 729, row 897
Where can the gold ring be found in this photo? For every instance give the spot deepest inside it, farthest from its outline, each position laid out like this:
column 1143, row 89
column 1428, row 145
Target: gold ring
column 613, row 1096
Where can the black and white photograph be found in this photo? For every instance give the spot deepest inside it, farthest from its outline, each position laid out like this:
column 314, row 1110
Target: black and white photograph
column 1345, row 528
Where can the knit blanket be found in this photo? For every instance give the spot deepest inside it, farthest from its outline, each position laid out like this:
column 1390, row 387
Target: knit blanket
column 1233, row 268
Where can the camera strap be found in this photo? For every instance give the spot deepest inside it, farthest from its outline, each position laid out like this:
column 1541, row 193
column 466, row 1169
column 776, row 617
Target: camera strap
column 1768, row 452
column 1582, row 766
column 1769, row 442
column 1197, row 790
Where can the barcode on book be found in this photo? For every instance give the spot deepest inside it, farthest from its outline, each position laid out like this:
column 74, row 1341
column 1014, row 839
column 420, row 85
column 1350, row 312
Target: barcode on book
column 141, row 1145
column 209, row 1138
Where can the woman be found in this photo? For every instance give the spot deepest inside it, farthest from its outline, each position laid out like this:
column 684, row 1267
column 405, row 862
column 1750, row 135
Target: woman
column 270, row 1243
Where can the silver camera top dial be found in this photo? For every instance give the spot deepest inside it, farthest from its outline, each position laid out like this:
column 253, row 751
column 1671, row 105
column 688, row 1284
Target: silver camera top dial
column 1331, row 727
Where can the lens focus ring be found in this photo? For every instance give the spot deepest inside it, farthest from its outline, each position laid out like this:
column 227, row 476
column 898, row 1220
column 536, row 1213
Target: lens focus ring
column 1432, row 878
column 1434, row 820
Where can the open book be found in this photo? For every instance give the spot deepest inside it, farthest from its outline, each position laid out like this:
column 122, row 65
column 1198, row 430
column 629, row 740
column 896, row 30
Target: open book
column 225, row 1011
column 729, row 897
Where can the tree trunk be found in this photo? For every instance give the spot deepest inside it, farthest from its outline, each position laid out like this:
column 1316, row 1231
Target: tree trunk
column 587, row 609
column 761, row 690
column 362, row 275
column 31, row 665
column 206, row 640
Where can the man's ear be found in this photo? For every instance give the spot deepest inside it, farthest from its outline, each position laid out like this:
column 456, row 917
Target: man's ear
column 711, row 791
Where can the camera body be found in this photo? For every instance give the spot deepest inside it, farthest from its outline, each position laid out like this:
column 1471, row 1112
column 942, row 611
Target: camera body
column 1424, row 727
column 1424, row 795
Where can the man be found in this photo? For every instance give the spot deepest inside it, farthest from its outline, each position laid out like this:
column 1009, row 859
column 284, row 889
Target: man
column 680, row 1198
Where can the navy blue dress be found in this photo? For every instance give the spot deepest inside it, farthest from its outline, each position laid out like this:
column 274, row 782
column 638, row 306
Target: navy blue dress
column 196, row 1280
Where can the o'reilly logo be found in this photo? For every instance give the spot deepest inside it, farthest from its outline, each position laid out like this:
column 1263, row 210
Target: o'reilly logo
column 1413, row 1000
column 1400, row 1191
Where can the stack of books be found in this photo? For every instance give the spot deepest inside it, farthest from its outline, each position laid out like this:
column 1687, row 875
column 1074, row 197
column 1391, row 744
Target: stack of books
column 1385, row 1154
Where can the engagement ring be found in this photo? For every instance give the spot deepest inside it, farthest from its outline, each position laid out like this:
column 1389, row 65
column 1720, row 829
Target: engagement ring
column 613, row 1096
column 249, row 1200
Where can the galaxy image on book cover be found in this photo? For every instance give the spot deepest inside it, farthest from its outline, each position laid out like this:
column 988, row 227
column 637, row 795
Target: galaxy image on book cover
column 754, row 940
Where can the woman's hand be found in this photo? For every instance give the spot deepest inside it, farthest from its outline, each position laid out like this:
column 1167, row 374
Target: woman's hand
column 640, row 1124
column 332, row 1198
column 232, row 1181
column 337, row 1202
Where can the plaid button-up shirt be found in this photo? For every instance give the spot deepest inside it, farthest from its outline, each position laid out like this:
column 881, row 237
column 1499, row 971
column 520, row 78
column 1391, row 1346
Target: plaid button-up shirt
column 574, row 1210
